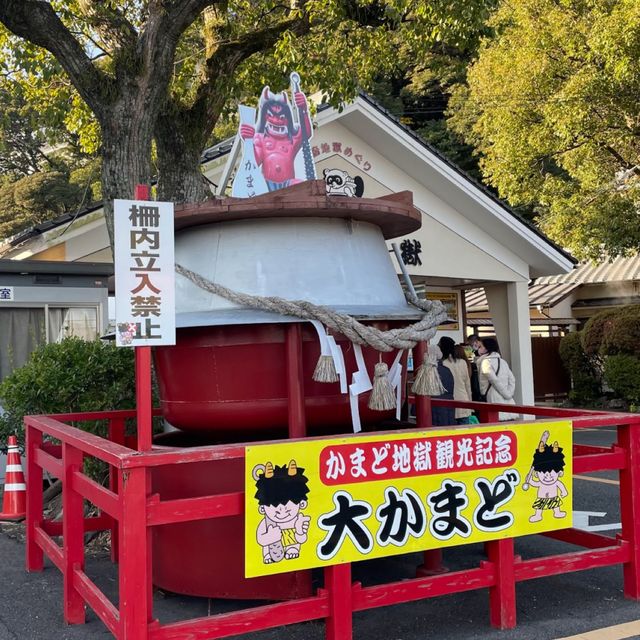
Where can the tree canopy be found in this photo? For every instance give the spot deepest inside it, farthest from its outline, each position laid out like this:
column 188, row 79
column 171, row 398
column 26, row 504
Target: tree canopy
column 552, row 108
column 131, row 77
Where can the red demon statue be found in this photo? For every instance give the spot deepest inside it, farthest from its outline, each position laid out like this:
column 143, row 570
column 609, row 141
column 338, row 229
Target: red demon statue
column 277, row 140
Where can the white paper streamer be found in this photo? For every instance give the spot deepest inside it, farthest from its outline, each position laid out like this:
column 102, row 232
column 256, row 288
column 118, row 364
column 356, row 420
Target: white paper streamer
column 360, row 382
column 395, row 378
column 338, row 361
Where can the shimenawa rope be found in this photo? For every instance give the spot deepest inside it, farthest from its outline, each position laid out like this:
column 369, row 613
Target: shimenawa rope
column 404, row 338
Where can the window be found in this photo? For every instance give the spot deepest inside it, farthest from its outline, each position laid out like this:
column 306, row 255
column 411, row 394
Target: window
column 21, row 331
column 81, row 322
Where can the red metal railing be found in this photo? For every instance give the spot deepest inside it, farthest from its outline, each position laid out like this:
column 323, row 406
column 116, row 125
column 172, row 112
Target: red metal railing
column 129, row 510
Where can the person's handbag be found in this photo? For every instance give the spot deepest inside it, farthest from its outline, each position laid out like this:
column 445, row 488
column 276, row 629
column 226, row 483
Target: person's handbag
column 483, row 396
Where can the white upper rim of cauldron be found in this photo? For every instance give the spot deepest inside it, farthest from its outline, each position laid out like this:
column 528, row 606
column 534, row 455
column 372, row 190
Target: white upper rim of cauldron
column 223, row 317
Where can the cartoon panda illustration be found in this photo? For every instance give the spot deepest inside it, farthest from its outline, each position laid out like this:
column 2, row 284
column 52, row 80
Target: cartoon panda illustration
column 340, row 183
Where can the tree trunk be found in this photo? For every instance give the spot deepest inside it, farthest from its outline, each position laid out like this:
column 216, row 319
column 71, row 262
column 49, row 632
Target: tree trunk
column 126, row 153
column 180, row 177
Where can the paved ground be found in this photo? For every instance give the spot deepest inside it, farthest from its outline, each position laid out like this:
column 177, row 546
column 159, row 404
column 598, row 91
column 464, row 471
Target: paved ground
column 588, row 603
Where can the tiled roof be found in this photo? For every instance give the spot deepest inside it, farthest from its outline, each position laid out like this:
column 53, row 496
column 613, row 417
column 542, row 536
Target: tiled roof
column 550, row 290
column 618, row 270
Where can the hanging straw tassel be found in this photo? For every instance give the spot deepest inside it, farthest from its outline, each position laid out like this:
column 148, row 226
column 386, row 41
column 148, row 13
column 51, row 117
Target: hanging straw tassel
column 427, row 382
column 325, row 370
column 382, row 396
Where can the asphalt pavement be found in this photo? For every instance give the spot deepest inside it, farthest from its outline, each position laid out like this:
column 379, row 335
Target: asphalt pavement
column 547, row 609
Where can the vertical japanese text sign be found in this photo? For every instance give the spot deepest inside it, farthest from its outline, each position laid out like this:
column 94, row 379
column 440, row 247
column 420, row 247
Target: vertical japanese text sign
column 145, row 273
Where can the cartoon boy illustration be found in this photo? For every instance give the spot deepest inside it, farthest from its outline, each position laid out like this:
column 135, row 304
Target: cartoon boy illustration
column 545, row 473
column 281, row 494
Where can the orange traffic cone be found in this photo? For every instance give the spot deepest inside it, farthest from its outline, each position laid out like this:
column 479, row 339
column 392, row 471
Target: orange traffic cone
column 15, row 489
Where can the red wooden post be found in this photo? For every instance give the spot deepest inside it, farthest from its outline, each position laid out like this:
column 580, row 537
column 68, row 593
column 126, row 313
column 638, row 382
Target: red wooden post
column 432, row 558
column 34, row 555
column 116, row 434
column 423, row 403
column 629, row 440
column 502, row 596
column 295, row 381
column 72, row 534
column 337, row 582
column 143, row 373
column 489, row 416
column 143, row 398
column 135, row 590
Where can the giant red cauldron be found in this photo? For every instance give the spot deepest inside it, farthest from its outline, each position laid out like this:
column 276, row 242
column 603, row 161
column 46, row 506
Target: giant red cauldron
column 225, row 380
column 230, row 381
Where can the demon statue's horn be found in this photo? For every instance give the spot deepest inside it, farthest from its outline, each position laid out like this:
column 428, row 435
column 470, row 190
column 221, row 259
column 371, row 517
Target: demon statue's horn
column 555, row 447
column 268, row 96
column 292, row 468
column 268, row 470
column 541, row 447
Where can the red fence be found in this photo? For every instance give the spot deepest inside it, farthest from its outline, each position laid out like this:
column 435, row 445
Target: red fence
column 130, row 511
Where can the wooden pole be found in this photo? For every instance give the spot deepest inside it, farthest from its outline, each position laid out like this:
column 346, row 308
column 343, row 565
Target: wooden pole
column 144, row 401
column 295, row 382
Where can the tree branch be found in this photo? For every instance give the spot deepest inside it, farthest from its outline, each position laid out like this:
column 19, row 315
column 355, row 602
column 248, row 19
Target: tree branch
column 229, row 55
column 115, row 31
column 38, row 23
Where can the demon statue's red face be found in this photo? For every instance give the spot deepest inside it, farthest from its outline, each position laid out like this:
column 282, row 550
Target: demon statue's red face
column 275, row 115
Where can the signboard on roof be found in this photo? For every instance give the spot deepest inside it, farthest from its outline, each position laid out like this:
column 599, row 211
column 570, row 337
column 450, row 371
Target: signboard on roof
column 330, row 501
column 276, row 150
column 144, row 273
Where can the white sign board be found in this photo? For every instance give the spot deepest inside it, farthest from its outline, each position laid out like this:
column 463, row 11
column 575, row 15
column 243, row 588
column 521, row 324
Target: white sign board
column 6, row 293
column 145, row 273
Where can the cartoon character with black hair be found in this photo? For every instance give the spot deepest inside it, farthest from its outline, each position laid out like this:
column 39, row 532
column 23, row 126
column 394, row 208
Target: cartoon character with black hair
column 545, row 473
column 281, row 494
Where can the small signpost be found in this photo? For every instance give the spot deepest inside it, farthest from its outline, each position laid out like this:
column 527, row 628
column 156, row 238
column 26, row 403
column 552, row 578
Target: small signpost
column 145, row 290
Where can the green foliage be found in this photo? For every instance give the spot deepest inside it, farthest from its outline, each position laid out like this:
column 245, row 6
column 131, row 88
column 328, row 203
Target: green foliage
column 451, row 145
column 228, row 52
column 552, row 109
column 622, row 375
column 612, row 332
column 584, row 375
column 595, row 329
column 70, row 376
column 622, row 335
column 36, row 198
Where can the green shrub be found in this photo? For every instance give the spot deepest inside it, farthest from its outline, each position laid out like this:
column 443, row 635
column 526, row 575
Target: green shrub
column 622, row 335
column 622, row 375
column 594, row 331
column 585, row 382
column 67, row 377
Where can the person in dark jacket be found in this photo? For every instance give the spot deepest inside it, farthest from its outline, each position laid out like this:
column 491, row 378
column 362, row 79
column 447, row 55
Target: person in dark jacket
column 443, row 416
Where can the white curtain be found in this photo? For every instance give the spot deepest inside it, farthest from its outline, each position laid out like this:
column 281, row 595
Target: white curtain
column 74, row 321
column 21, row 331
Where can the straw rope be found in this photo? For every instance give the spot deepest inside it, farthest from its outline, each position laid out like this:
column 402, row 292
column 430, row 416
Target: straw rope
column 404, row 338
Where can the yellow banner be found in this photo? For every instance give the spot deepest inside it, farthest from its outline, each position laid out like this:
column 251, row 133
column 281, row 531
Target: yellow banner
column 321, row 502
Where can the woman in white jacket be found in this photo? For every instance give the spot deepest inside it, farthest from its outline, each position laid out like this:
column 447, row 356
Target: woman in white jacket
column 461, row 381
column 496, row 379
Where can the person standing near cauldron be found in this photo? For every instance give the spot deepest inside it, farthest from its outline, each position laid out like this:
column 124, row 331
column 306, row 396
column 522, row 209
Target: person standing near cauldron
column 459, row 368
column 497, row 382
